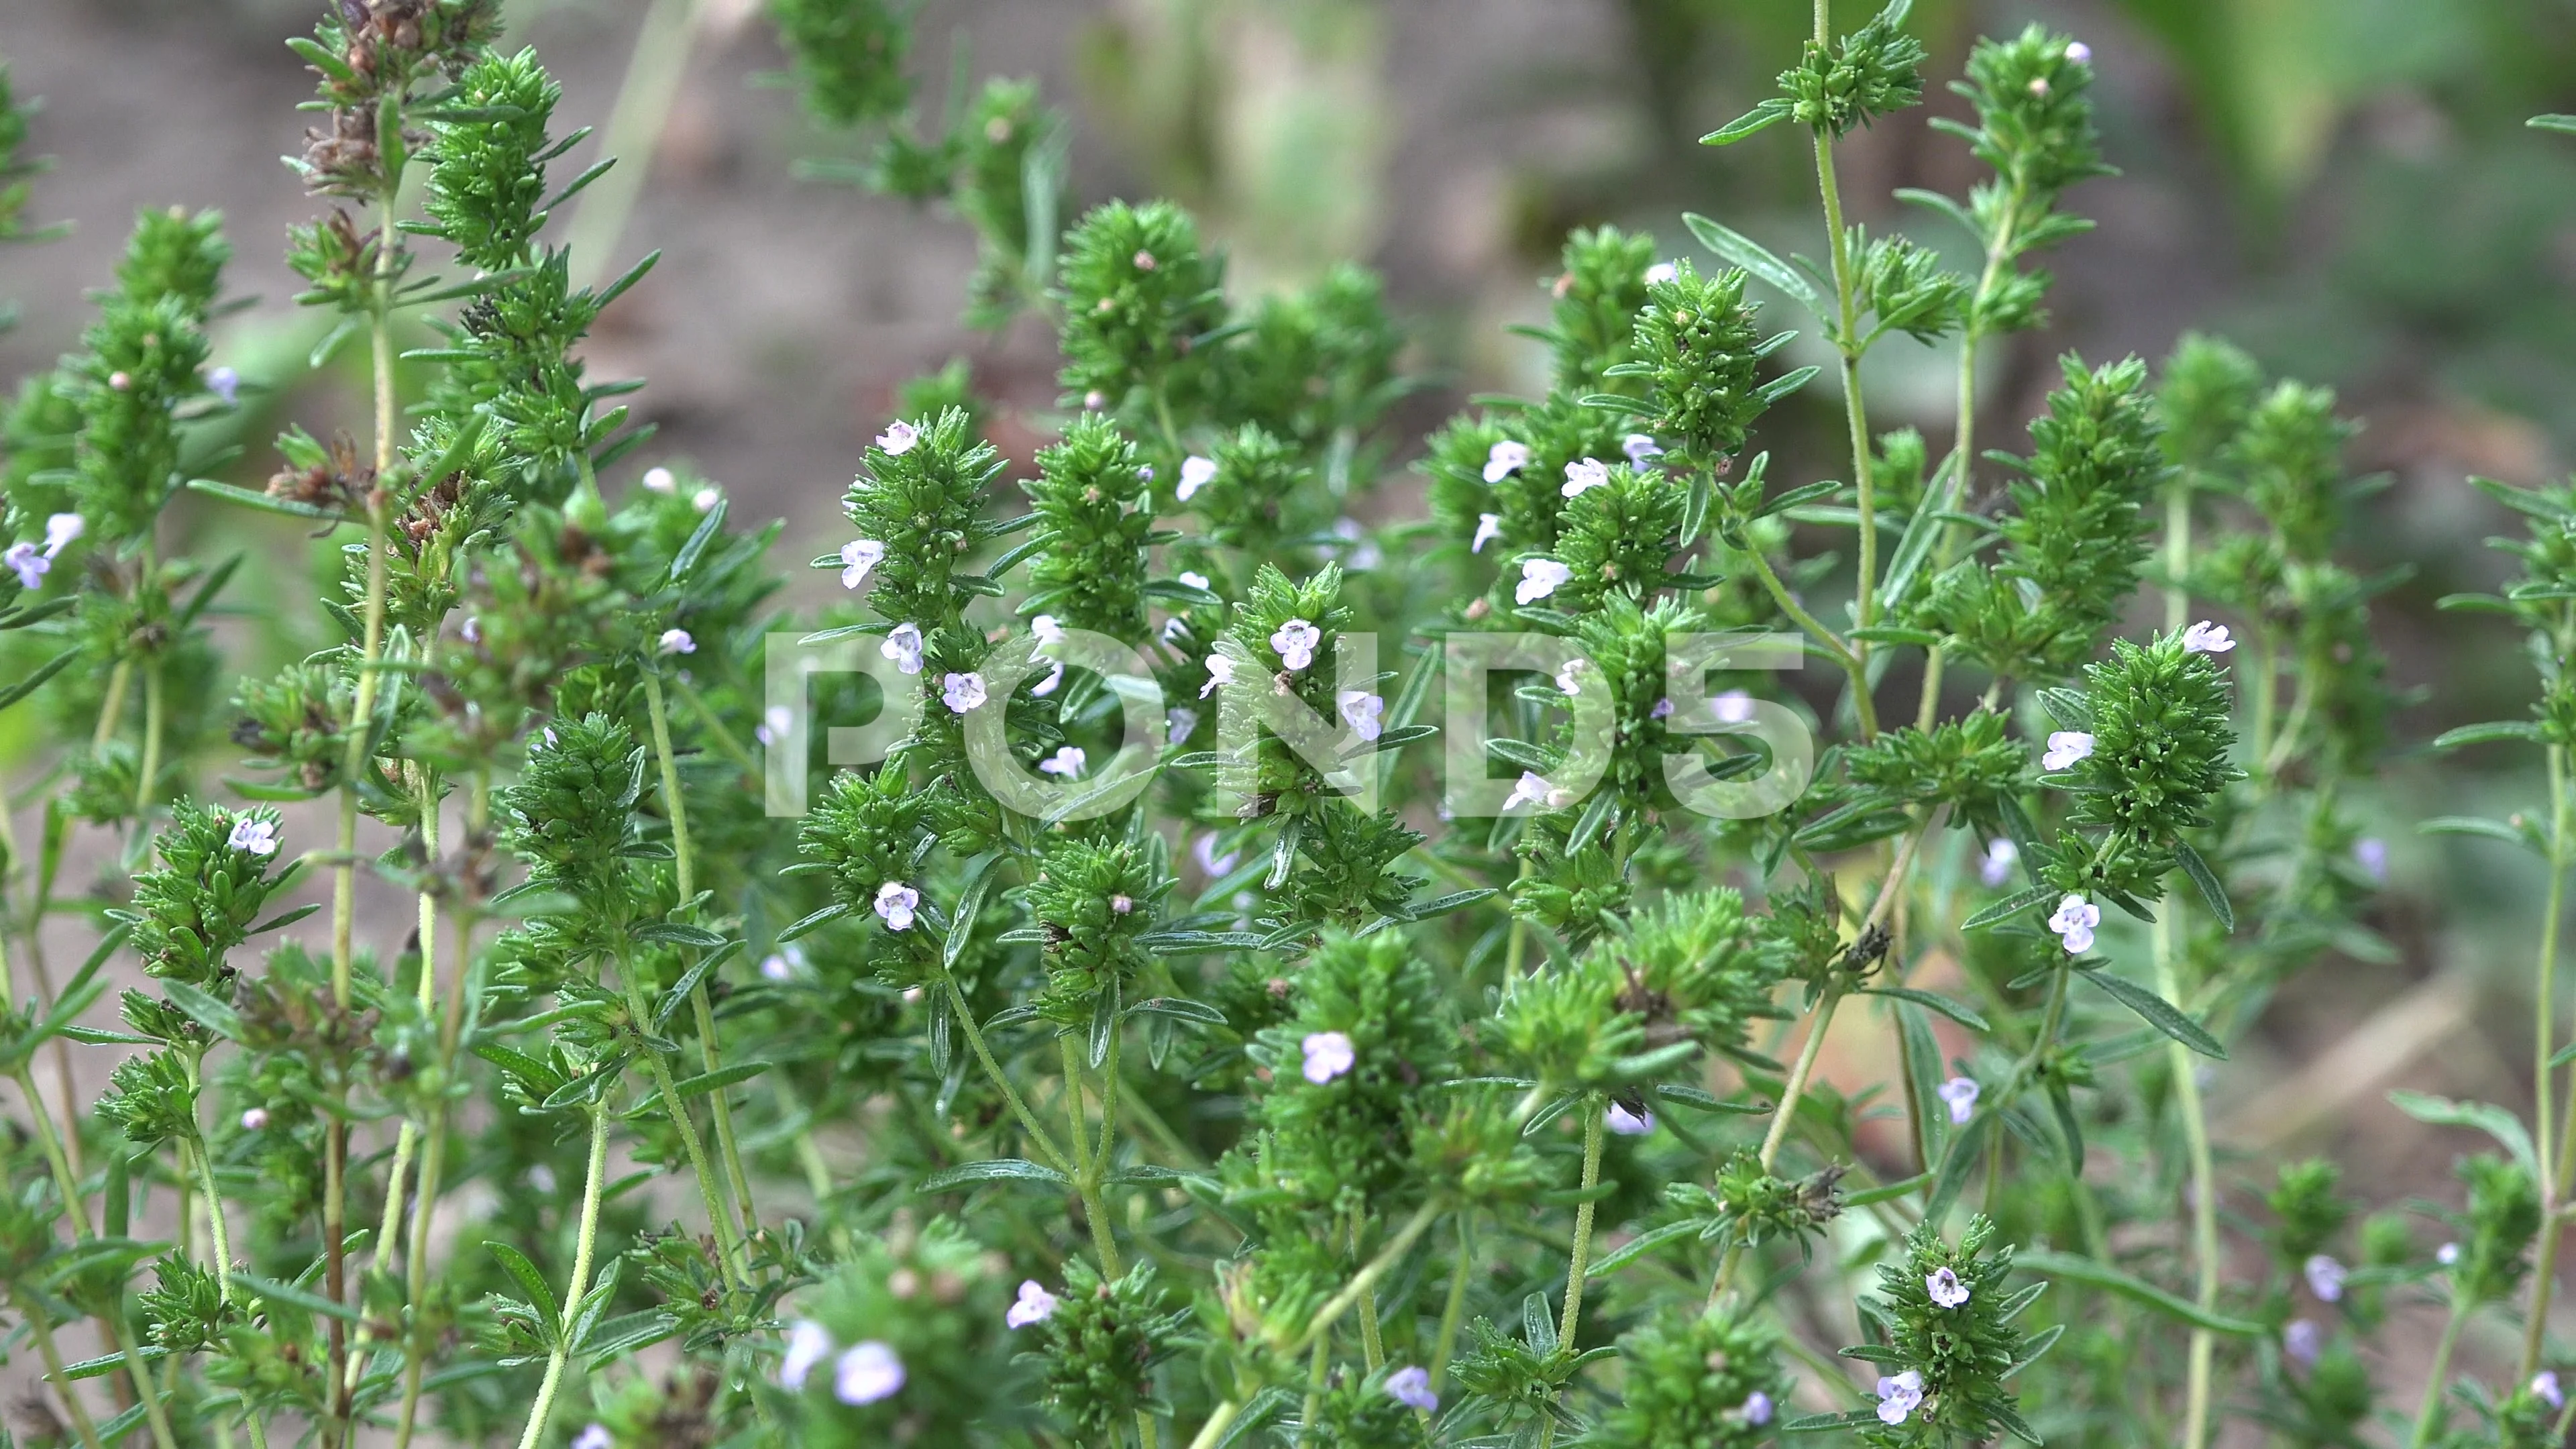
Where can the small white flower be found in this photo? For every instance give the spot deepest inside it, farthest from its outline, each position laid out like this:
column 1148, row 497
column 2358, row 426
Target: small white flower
column 1144, row 472
column 2078, row 52
column 1626, row 1123
column 1035, row 1305
column 30, row 566
column 1196, row 473
column 777, row 968
column 1411, row 1387
column 1530, row 789
column 858, row 556
column 1144, row 260
column 1094, row 400
column 1663, row 709
column 1661, row 272
column 1584, row 475
column 1194, row 579
column 224, row 383
column 1364, row 712
column 776, row 723
column 2544, row 1387
column 1180, row 722
column 867, row 1373
column 2001, row 856
column 1732, row 707
column 594, row 1437
column 2325, row 1277
column 961, row 692
column 2448, row 1255
column 1504, row 459
column 1945, row 1288
column 1329, row 1054
column 659, row 480
column 1489, row 526
column 60, row 530
column 255, row 1120
column 1296, row 641
column 1220, row 670
column 2075, row 919
column 1047, row 686
column 903, row 645
column 2206, row 638
column 1569, row 680
column 471, row 630
column 1960, row 1093
column 2371, row 854
column 2302, row 1341
column 896, row 903
column 1899, row 1397
column 2065, row 749
column 1639, row 447
column 706, row 499
column 120, row 380
column 1175, row 629
column 677, row 641
column 254, row 836
column 1757, row 1408
column 1065, row 763
column 1540, row 577
column 1203, row 850
column 898, row 438
column 550, row 739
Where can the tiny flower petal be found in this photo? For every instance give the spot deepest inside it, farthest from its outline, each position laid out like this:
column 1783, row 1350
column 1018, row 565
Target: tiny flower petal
column 60, row 530
column 1065, row 763
column 808, row 1343
column 1626, row 1123
column 2371, row 854
column 2325, row 1277
column 1180, row 722
column 1364, row 713
column 1531, row 789
column 30, row 566
column 1220, row 670
column 1945, row 1288
column 961, row 692
column 1757, row 1408
column 1662, row 272
column 1504, row 459
column 1584, row 475
column 2302, row 1341
column 896, row 903
column 2448, row 1255
column 867, row 1373
column 2074, row 922
column 2001, row 856
column 1569, row 680
column 2078, row 52
column 1203, row 850
column 255, row 1119
column 224, row 383
column 2206, row 638
column 1733, row 707
column 1960, row 1093
column 1540, row 577
column 1193, row 579
column 903, row 645
column 1411, row 1387
column 677, row 641
column 1489, row 526
column 2544, row 1387
column 858, row 556
column 1196, row 473
column 1296, row 641
column 1899, row 1397
column 253, row 836
column 594, row 1436
column 2065, row 748
column 1663, row 709
column 898, row 438
column 660, row 480
column 1639, row 447
column 777, row 968
column 706, row 499
column 1329, row 1054
column 1035, row 1305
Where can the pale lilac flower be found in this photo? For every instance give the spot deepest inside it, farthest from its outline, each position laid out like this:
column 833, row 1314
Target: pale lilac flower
column 776, row 723
column 1180, row 722
column 1569, row 680
column 1540, row 577
column 706, row 499
column 1144, row 260
column 2206, row 638
column 254, row 836
column 896, row 903
column 1145, row 473
column 1095, row 400
column 1196, row 473
column 2371, row 854
column 898, row 438
column 2302, row 1341
column 471, row 630
column 1203, row 850
column 2075, row 919
column 1065, row 763
column 1531, row 789
column 1489, row 526
column 1899, row 1397
column 961, row 692
column 1035, row 1305
column 777, row 968
column 1732, row 707
column 2448, row 1255
column 1757, row 1409
column 2544, row 1387
column 1626, row 1123
column 30, row 566
column 1364, row 552
column 903, row 645
column 1194, row 579
column 1296, row 641
column 1220, row 670
column 660, row 480
column 1945, row 1288
column 1639, row 447
column 2078, row 52
column 2325, row 1277
column 224, row 383
column 1047, row 686
column 2065, row 749
column 1411, row 1387
column 60, row 530
column 1364, row 713
column 676, row 641
column 1961, row 1095
column 551, row 741
column 255, row 1119
column 1662, row 272
column 1329, row 1054
column 1174, row 629
column 868, row 1372
column 594, row 1437
column 857, row 557
column 1663, row 709
column 1584, row 475
column 1504, row 459
column 2001, row 855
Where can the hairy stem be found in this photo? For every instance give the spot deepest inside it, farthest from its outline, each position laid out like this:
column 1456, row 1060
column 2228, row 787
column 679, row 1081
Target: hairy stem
column 1446, row 1344
column 154, row 1413
column 407, row 1144
column 1579, row 1261
column 1366, row 1279
column 53, row 1356
column 2438, row 1375
column 580, row 1284
column 719, row 1217
column 2204, row 1189
column 1086, row 1169
column 965, row 1019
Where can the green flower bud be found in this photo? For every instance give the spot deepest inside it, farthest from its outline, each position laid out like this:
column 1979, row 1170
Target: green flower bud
column 2307, row 1210
column 487, row 175
column 570, row 814
column 211, row 887
column 1697, row 340
column 848, row 57
column 1137, row 296
column 1093, row 902
column 2503, row 1219
column 1098, row 1345
column 1597, row 297
column 1708, row 1380
column 1094, row 512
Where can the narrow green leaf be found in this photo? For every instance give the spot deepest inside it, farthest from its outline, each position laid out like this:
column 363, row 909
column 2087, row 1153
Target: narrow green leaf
column 2111, row 1280
column 1743, row 251
column 2206, row 879
column 998, row 1169
column 2157, row 1012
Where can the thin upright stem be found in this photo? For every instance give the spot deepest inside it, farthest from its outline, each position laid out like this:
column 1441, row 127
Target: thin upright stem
column 1855, row 411
column 1086, row 1172
column 154, row 727
column 965, row 1018
column 2437, row 1377
column 155, row 1413
column 1579, row 1261
column 1454, row 1311
column 62, row 1382
column 2204, row 1190
column 719, row 1216
column 1361, row 1282
column 2553, row 1161
column 407, row 1143
column 580, row 1284
column 223, row 1241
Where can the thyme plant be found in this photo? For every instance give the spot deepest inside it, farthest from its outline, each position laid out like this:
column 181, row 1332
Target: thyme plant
column 1159, row 1040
